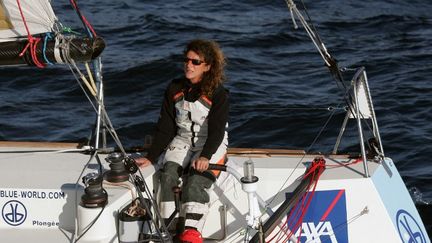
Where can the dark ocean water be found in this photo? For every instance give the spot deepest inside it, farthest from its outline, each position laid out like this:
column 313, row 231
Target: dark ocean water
column 280, row 88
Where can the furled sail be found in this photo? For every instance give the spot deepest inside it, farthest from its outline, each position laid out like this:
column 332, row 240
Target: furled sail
column 4, row 20
column 39, row 16
column 30, row 34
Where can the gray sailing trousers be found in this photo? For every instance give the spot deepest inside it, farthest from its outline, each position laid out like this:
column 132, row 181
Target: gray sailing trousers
column 195, row 185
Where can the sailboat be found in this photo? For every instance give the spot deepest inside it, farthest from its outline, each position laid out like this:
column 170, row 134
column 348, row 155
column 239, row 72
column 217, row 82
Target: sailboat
column 69, row 192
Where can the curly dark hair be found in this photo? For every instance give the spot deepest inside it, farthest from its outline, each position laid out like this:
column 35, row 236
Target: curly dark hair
column 213, row 56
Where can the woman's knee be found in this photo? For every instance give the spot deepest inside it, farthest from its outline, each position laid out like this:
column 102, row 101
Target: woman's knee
column 196, row 186
column 172, row 170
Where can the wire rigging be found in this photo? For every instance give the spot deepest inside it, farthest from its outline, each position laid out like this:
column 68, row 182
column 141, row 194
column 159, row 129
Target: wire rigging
column 90, row 31
column 287, row 230
column 329, row 60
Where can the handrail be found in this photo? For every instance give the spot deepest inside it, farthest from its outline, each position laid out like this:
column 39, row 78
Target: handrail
column 360, row 87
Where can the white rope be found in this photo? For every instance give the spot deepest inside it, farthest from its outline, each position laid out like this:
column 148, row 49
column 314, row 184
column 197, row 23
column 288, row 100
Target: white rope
column 121, row 184
column 92, row 82
column 58, row 44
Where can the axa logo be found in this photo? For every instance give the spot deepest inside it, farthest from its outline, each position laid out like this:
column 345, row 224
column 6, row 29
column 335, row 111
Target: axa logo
column 14, row 213
column 325, row 220
column 315, row 233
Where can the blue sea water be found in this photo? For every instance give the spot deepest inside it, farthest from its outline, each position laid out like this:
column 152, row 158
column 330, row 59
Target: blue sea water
column 280, row 90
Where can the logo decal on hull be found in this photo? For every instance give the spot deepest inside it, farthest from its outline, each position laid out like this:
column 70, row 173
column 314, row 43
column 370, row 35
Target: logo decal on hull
column 409, row 229
column 325, row 219
column 14, row 213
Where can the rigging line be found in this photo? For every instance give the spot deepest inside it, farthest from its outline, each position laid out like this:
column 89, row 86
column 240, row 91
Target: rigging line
column 319, row 45
column 285, row 182
column 104, row 114
column 100, row 122
column 155, row 207
column 307, row 150
column 47, row 36
column 311, row 176
column 318, row 168
column 342, row 226
column 100, row 164
column 72, row 64
column 89, row 73
column 334, row 69
column 282, row 226
column 301, row 159
column 285, row 232
column 110, row 127
column 329, row 108
column 310, row 20
column 32, row 41
column 83, row 19
column 86, row 82
column 313, row 34
column 320, row 132
column 46, row 151
column 146, row 190
column 349, row 108
column 275, row 107
column 344, row 99
column 281, row 232
column 112, row 131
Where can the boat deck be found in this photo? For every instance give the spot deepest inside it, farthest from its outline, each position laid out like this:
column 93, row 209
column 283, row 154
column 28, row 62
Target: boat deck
column 44, row 176
column 49, row 160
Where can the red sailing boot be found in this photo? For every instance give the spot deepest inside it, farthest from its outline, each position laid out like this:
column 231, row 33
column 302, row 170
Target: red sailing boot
column 191, row 236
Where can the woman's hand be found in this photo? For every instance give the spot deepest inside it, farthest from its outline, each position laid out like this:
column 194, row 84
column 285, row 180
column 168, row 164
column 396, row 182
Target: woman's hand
column 142, row 162
column 201, row 164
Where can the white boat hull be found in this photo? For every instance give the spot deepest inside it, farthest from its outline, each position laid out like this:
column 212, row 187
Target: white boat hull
column 38, row 198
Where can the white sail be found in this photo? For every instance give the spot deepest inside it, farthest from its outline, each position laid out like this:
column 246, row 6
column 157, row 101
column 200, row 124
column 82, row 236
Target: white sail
column 38, row 15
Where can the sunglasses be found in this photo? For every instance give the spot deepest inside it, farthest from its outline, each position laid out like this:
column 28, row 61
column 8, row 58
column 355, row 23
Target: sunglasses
column 195, row 62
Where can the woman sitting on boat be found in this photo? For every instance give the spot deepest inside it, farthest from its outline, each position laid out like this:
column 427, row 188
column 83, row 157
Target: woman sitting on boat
column 192, row 132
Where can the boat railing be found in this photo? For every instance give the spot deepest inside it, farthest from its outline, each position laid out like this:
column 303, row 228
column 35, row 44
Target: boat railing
column 361, row 109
